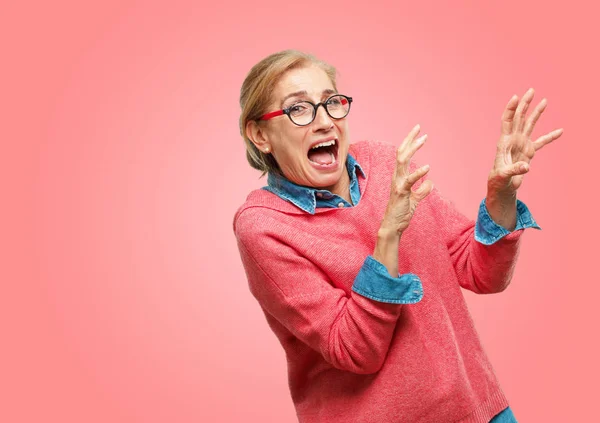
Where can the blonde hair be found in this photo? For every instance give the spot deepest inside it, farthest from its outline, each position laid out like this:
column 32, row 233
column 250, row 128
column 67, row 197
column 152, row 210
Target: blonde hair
column 256, row 92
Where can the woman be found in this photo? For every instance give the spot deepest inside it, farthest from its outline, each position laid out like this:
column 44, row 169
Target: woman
column 361, row 286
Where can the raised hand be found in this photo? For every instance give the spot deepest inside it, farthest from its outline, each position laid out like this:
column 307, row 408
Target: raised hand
column 515, row 149
column 403, row 200
column 402, row 203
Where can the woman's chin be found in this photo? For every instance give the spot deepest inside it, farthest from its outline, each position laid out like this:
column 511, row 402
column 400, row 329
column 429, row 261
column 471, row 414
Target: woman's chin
column 325, row 180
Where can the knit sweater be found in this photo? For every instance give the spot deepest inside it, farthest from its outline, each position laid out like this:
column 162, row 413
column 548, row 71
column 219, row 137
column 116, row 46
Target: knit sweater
column 354, row 359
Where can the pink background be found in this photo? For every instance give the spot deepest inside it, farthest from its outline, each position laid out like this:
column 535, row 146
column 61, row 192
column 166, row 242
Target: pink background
column 123, row 295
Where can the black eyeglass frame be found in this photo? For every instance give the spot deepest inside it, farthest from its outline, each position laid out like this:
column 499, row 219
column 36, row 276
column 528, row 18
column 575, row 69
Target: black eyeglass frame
column 287, row 110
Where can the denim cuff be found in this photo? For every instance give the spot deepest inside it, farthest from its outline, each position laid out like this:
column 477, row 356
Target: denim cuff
column 374, row 281
column 488, row 232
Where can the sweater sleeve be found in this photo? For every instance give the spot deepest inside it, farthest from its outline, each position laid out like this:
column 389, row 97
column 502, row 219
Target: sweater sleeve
column 484, row 259
column 351, row 332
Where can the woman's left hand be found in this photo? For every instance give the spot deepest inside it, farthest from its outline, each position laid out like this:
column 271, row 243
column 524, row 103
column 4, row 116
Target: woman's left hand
column 515, row 148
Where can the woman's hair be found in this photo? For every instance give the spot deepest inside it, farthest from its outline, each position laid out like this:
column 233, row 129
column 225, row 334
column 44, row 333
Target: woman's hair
column 256, row 92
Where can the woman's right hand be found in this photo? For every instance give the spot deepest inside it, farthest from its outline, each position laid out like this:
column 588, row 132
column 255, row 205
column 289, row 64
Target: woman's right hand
column 403, row 201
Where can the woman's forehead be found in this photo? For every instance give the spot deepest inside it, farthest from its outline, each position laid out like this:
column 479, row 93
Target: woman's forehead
column 312, row 82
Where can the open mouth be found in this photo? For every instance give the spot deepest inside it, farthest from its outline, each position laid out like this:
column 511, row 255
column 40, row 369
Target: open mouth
column 325, row 153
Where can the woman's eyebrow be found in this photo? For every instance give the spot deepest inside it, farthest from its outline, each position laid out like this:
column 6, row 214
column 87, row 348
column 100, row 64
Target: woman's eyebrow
column 327, row 91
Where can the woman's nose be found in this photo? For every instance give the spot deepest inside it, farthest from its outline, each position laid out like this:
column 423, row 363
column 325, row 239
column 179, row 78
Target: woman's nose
column 322, row 119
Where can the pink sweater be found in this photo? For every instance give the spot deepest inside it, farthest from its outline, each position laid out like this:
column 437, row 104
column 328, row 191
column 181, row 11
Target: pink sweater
column 354, row 359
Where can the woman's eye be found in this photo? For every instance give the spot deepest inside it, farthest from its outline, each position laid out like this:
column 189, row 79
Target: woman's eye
column 297, row 109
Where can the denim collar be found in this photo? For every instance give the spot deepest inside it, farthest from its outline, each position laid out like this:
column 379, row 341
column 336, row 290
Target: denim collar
column 306, row 197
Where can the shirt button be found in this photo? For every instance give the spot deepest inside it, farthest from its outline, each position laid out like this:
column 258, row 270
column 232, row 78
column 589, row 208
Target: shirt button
column 319, row 194
column 341, row 205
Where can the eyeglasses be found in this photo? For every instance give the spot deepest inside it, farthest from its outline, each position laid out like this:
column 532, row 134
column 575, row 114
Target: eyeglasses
column 304, row 112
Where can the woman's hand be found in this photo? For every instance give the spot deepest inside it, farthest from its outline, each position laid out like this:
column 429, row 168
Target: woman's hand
column 515, row 149
column 403, row 201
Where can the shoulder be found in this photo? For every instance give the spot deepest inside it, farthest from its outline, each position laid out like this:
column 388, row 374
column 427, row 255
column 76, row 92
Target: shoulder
column 262, row 215
column 251, row 214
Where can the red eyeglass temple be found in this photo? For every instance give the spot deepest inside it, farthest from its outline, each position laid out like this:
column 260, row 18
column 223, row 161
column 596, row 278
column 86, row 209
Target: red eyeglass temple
column 280, row 112
column 271, row 115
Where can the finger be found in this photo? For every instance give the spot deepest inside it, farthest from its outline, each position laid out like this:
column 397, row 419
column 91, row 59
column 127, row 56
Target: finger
column 518, row 168
column 415, row 145
column 404, row 156
column 508, row 115
column 406, row 184
column 408, row 139
column 411, row 135
column 504, row 175
column 522, row 110
column 521, row 168
column 535, row 116
column 423, row 191
column 547, row 139
column 406, row 150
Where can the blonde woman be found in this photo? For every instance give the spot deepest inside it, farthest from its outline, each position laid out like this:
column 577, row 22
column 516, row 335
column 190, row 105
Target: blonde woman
column 358, row 264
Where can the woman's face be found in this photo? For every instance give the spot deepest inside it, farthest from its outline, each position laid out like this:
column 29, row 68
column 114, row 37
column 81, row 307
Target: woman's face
column 291, row 144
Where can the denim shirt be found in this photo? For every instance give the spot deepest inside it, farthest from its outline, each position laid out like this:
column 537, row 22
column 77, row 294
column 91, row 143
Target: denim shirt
column 373, row 280
column 308, row 199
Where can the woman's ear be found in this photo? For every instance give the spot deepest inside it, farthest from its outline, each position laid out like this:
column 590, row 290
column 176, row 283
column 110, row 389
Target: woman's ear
column 258, row 136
